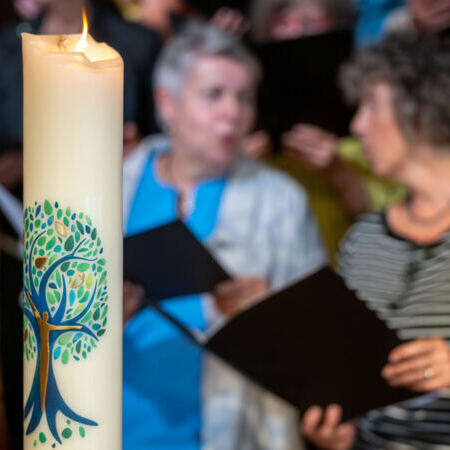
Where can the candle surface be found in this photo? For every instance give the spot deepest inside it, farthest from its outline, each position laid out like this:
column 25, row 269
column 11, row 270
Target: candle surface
column 73, row 121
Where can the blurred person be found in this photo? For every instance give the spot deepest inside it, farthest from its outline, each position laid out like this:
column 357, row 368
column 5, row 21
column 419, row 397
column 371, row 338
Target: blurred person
column 398, row 261
column 168, row 16
column 137, row 45
column 253, row 219
column 159, row 15
column 300, row 85
column 380, row 17
column 29, row 9
column 279, row 20
column 431, row 16
column 342, row 163
column 372, row 18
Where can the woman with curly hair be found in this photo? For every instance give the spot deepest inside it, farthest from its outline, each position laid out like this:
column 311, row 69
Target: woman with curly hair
column 398, row 262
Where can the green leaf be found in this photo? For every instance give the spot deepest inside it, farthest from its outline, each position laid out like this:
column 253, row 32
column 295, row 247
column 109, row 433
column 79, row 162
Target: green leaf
column 89, row 281
column 79, row 309
column 59, row 214
column 65, row 266
column 51, row 243
column 58, row 279
column 51, row 298
column 48, row 207
column 66, row 221
column 65, row 357
column 85, row 298
column 102, row 261
column 41, row 241
column 102, row 278
column 68, row 212
column 65, row 338
column 96, row 314
column 82, row 267
column 94, row 234
column 80, row 227
column 68, row 246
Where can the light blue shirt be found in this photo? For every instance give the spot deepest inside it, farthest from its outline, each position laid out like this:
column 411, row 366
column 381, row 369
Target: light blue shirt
column 162, row 369
column 264, row 228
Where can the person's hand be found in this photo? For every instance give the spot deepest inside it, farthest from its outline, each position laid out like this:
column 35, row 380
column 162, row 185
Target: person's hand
column 430, row 15
column 132, row 300
column 312, row 145
column 233, row 295
column 324, row 430
column 257, row 144
column 11, row 168
column 422, row 365
column 230, row 20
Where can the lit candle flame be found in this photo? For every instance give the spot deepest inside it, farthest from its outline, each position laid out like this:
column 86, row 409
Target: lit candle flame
column 82, row 43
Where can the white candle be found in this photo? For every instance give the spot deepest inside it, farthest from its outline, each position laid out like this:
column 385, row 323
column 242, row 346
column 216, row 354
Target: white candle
column 73, row 102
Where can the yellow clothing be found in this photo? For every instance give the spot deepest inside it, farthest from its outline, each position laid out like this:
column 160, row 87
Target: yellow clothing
column 332, row 218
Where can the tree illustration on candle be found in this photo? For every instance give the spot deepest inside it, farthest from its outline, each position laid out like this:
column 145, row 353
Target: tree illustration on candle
column 65, row 306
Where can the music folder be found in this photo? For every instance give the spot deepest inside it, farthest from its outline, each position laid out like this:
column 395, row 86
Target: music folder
column 312, row 343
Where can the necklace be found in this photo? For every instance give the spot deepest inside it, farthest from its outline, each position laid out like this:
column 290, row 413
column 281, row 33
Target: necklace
column 184, row 201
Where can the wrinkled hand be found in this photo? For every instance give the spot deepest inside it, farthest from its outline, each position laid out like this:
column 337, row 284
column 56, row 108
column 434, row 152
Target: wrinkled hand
column 311, row 144
column 11, row 168
column 324, row 429
column 230, row 20
column 132, row 300
column 430, row 15
column 422, row 365
column 233, row 295
column 257, row 144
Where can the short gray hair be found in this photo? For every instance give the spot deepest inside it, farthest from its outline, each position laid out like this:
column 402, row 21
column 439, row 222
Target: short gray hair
column 196, row 40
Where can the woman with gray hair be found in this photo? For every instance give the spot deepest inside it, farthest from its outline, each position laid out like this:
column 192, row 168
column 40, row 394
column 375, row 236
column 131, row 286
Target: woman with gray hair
column 398, row 262
column 254, row 220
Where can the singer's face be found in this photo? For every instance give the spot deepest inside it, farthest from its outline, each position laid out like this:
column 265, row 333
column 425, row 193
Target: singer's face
column 213, row 112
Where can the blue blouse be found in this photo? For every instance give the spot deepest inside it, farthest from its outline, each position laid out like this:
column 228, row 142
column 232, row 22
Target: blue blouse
column 162, row 369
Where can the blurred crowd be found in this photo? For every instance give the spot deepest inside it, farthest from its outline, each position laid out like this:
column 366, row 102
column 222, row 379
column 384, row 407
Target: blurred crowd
column 287, row 135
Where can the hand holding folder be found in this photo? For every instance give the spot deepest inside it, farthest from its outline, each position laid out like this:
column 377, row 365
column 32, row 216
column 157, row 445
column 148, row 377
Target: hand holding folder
column 313, row 343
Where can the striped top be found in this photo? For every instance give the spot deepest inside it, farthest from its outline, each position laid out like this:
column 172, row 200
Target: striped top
column 408, row 285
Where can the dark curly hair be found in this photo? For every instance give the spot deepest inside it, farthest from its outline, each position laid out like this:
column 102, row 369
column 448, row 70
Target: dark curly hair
column 417, row 68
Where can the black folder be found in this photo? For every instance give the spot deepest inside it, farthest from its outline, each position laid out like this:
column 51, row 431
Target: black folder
column 169, row 262
column 300, row 83
column 312, row 343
